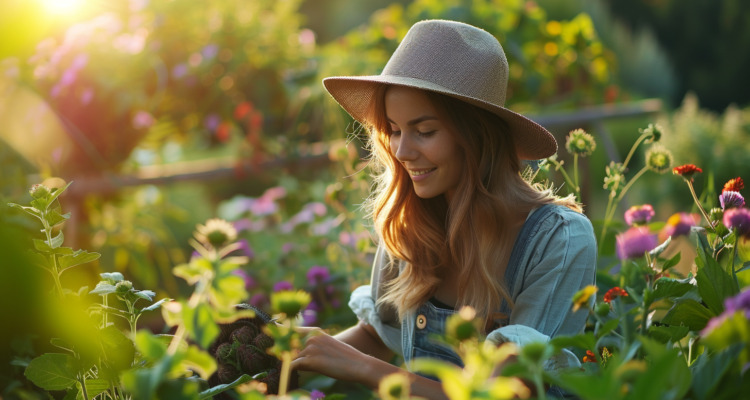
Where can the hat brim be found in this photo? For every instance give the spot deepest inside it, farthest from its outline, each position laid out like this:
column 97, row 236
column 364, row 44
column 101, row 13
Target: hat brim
column 353, row 93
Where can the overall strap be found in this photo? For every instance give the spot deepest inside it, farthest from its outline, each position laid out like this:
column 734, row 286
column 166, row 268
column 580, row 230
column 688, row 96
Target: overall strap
column 530, row 228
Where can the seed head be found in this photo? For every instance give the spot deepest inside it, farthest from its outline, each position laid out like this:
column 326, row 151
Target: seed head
column 245, row 335
column 290, row 303
column 659, row 159
column 123, row 287
column 579, row 142
column 655, row 130
column 216, row 232
column 39, row 190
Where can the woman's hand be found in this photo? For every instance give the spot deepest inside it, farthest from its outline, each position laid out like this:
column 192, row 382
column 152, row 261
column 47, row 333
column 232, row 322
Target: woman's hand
column 329, row 356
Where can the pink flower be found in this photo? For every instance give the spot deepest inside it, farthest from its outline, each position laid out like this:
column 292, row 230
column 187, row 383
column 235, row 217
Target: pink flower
column 317, row 275
column 287, row 247
column 634, row 242
column 730, row 199
column 316, row 208
column 211, row 122
column 275, row 193
column 639, row 215
column 317, row 395
column 309, row 318
column 282, row 285
column 179, row 71
column 245, row 247
column 263, row 206
column 87, row 95
column 679, row 224
column 142, row 120
column 738, row 219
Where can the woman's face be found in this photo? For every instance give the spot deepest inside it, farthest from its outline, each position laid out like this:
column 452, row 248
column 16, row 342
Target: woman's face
column 422, row 144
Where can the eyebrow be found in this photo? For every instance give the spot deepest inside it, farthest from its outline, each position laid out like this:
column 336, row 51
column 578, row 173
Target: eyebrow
column 415, row 120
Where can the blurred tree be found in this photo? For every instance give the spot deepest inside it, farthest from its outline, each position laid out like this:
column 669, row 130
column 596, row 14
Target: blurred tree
column 707, row 39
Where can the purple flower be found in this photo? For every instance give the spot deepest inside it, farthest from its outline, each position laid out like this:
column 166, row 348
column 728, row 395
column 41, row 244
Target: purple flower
column 195, row 255
column 634, row 242
column 317, row 395
column 330, row 289
column 258, row 300
column 314, row 306
column 317, row 275
column 639, row 215
column 68, row 77
column 249, row 281
column 738, row 219
column 80, row 62
column 282, row 285
column 309, row 318
column 317, row 208
column 335, row 303
column 680, row 224
column 263, row 206
column 210, row 51
column 740, row 302
column 211, row 122
column 730, row 199
column 245, row 247
column 179, row 70
column 275, row 193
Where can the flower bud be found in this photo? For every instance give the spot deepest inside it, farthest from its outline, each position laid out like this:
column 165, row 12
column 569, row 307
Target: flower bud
column 251, row 359
column 659, row 159
column 290, row 303
column 395, row 386
column 123, row 287
column 462, row 326
column 716, row 214
column 602, row 309
column 654, row 131
column 228, row 373
column 537, row 352
column 38, row 191
column 224, row 352
column 245, row 335
column 262, row 341
column 579, row 142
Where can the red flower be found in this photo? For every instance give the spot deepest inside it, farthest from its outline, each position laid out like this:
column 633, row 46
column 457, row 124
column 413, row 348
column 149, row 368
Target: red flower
column 614, row 293
column 734, row 185
column 589, row 357
column 242, row 110
column 686, row 171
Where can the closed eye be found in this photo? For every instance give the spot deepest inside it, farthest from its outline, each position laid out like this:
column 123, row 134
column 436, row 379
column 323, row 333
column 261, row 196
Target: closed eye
column 421, row 134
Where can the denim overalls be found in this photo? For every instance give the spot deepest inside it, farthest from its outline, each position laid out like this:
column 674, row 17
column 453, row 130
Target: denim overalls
column 431, row 320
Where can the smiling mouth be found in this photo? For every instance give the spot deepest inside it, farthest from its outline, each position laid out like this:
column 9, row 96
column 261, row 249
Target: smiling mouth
column 418, row 173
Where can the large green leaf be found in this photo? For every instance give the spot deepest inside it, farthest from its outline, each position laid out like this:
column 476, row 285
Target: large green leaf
column 94, row 387
column 672, row 261
column 670, row 288
column 155, row 305
column 178, row 389
column 200, row 323
column 142, row 383
column 666, row 333
column 39, row 260
column 714, row 284
column 103, row 288
column 688, row 313
column 194, row 271
column 43, row 246
column 31, row 210
column 708, row 370
column 668, row 378
column 200, row 361
column 660, row 249
column 586, row 341
column 734, row 328
column 53, row 371
column 77, row 258
column 119, row 351
column 56, row 193
column 149, row 345
column 208, row 394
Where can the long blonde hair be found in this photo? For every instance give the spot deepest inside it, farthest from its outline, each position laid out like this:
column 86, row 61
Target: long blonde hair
column 471, row 235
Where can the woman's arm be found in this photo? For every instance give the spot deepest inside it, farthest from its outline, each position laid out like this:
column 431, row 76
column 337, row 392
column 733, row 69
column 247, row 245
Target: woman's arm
column 364, row 338
column 329, row 356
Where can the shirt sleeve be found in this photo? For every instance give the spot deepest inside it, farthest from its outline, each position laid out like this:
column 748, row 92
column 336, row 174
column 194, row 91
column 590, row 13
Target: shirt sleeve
column 562, row 261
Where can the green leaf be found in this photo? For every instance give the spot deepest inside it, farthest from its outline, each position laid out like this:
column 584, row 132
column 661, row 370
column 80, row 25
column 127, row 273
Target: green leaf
column 40, row 204
column 119, row 351
column 733, row 328
column 145, row 294
column 72, row 394
column 103, row 288
column 222, row 388
column 54, row 218
column 53, row 371
column 585, row 341
column 77, row 258
column 745, row 266
column 57, row 192
column 56, row 241
column 44, row 247
column 672, row 261
column 670, row 288
column 194, row 271
column 699, row 240
column 665, row 333
column 31, row 210
column 155, row 305
column 142, row 383
column 668, row 377
column 200, row 361
column 94, row 387
column 708, row 371
column 688, row 313
column 660, row 249
column 608, row 327
column 39, row 260
column 714, row 284
column 200, row 323
column 114, row 277
column 149, row 345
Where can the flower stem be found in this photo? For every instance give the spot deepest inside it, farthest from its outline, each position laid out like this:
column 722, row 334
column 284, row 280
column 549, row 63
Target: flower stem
column 575, row 175
column 635, row 178
column 734, row 255
column 286, row 362
column 55, row 274
column 700, row 206
column 632, row 150
column 564, row 173
column 606, row 221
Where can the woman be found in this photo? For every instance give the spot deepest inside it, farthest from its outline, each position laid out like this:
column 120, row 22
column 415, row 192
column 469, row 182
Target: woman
column 457, row 223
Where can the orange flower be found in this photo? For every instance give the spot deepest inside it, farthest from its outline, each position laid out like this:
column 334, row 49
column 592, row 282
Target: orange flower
column 734, row 185
column 686, row 171
column 614, row 293
column 589, row 357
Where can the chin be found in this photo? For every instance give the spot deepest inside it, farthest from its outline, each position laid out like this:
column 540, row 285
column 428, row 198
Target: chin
column 426, row 194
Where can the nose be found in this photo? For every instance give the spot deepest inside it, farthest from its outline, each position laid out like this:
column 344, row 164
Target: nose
column 405, row 148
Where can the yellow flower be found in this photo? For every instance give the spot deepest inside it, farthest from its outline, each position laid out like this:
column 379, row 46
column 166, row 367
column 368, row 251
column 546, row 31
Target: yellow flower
column 289, row 302
column 216, row 232
column 395, row 386
column 581, row 298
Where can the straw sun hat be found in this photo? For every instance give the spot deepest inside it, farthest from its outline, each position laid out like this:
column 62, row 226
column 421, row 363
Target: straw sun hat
column 455, row 59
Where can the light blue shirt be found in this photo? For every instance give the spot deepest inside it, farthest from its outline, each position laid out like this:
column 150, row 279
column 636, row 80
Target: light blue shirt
column 559, row 259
